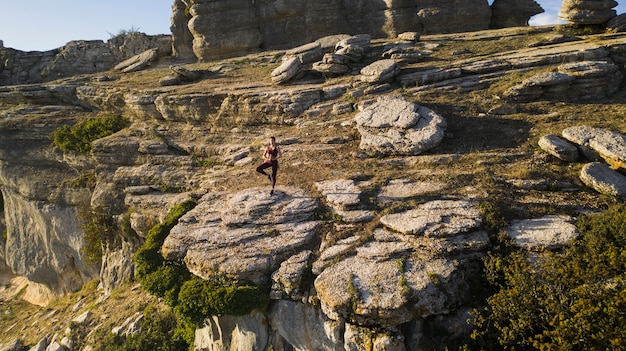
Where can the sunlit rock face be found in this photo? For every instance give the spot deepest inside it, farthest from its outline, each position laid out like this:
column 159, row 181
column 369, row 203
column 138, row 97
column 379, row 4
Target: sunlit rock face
column 227, row 28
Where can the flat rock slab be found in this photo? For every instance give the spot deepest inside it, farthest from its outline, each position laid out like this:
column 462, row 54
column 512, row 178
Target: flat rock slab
column 368, row 289
column 559, row 148
column 340, row 193
column 394, row 126
column 603, row 179
column 609, row 145
column 402, row 189
column 548, row 232
column 247, row 234
column 436, row 218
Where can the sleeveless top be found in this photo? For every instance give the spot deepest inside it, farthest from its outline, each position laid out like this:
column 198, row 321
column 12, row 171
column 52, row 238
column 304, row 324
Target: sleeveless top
column 274, row 152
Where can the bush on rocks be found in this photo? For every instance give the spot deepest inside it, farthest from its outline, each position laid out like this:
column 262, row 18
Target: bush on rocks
column 570, row 300
column 192, row 298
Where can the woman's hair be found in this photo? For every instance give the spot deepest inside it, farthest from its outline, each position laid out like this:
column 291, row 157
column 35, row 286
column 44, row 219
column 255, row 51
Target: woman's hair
column 273, row 138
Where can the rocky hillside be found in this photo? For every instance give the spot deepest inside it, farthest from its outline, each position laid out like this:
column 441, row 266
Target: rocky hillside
column 396, row 156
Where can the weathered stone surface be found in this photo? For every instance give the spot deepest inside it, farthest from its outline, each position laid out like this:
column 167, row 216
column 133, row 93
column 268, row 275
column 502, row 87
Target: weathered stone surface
column 137, row 62
column 402, row 189
column 513, row 13
column 247, row 234
column 289, row 280
column 287, row 70
column 394, row 126
column 233, row 332
column 307, row 53
column 226, row 28
column 603, row 179
column 15, row 345
column 436, row 218
column 609, row 145
column 343, row 193
column 548, row 232
column 409, row 36
column 305, row 327
column 617, row 23
column 182, row 39
column 354, row 47
column 358, row 288
column 559, row 148
column 576, row 81
column 587, row 11
column 360, row 339
column 380, row 71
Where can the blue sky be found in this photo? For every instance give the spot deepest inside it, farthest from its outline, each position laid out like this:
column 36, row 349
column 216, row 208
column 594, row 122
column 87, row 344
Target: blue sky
column 48, row 24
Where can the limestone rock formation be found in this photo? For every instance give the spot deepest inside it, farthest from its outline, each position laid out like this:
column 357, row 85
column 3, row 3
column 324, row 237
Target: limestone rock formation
column 559, row 148
column 609, row 145
column 548, row 232
column 248, row 234
column 617, row 23
column 227, row 28
column 603, row 179
column 394, row 126
column 513, row 13
column 596, row 144
column 76, row 57
column 182, row 39
column 587, row 11
column 137, row 62
column 576, row 81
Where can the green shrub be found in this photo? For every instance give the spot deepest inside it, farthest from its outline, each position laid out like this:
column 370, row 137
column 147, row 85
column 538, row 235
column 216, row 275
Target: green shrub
column 98, row 230
column 574, row 300
column 148, row 258
column 199, row 299
column 79, row 137
column 166, row 281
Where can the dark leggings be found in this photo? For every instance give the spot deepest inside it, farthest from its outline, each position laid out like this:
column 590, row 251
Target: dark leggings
column 265, row 165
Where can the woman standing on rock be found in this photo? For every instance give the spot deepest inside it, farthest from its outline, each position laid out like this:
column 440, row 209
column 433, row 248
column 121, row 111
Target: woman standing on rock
column 271, row 155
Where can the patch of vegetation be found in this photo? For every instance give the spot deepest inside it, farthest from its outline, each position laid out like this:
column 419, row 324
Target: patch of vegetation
column 79, row 137
column 99, row 229
column 157, row 328
column 122, row 33
column 192, row 299
column 573, row 300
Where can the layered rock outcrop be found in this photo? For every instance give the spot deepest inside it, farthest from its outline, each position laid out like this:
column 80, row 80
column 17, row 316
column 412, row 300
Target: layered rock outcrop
column 349, row 260
column 587, row 11
column 76, row 57
column 227, row 28
column 513, row 13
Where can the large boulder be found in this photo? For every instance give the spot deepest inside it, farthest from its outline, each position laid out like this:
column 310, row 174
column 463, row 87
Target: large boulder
column 231, row 27
column 604, row 180
column 617, row 23
column 394, row 126
column 559, row 148
column 587, row 11
column 608, row 145
column 575, row 81
column 403, row 272
column 247, row 234
column 513, row 13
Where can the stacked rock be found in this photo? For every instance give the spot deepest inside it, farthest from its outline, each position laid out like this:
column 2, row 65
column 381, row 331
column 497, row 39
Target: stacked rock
column 587, row 11
column 574, row 81
column 351, row 49
column 513, row 13
column 605, row 149
column 617, row 23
